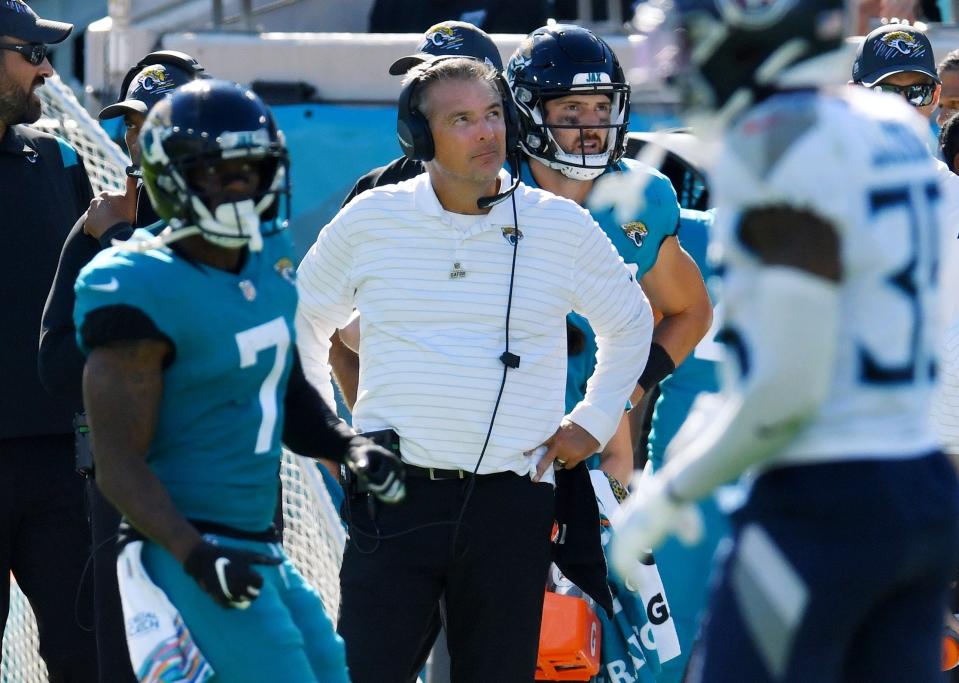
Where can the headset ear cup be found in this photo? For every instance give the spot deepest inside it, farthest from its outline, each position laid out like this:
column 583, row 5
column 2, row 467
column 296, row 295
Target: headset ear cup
column 510, row 115
column 412, row 128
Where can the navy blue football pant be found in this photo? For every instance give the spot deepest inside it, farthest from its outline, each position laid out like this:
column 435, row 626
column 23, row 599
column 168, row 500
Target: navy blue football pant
column 492, row 583
column 45, row 542
column 837, row 572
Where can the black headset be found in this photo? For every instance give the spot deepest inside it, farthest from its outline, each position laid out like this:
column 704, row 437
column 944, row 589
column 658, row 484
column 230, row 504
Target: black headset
column 175, row 58
column 413, row 130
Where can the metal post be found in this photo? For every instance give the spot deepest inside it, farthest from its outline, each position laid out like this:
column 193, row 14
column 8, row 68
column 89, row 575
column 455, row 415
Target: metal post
column 615, row 12
column 584, row 10
column 217, row 14
column 247, row 12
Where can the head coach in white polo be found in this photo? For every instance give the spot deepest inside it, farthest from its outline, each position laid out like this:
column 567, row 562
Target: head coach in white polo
column 463, row 280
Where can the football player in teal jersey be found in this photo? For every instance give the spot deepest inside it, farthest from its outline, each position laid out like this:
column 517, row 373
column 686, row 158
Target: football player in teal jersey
column 573, row 103
column 192, row 381
column 685, row 569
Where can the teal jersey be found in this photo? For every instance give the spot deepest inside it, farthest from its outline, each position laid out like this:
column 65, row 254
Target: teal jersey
column 637, row 241
column 698, row 372
column 217, row 442
column 579, row 366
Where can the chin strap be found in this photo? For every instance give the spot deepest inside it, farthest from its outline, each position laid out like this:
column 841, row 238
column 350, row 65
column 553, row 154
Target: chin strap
column 141, row 242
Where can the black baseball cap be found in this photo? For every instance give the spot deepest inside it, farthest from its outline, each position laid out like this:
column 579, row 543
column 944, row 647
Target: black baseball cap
column 893, row 49
column 455, row 38
column 17, row 20
column 147, row 88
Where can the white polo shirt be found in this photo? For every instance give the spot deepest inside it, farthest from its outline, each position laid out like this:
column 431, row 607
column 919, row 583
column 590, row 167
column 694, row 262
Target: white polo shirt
column 432, row 287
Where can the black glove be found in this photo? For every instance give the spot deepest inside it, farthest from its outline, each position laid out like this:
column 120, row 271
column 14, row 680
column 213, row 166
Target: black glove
column 378, row 470
column 227, row 574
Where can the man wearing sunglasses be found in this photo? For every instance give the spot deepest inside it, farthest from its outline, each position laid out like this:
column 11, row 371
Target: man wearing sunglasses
column 44, row 535
column 898, row 58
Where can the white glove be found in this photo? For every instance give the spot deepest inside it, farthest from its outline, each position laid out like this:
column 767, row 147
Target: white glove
column 645, row 520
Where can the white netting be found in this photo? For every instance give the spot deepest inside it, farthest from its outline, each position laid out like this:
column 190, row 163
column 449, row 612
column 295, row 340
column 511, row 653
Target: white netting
column 63, row 115
column 313, row 535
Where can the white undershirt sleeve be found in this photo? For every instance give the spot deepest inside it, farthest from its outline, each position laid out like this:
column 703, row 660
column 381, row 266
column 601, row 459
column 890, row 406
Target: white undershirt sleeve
column 326, row 301
column 617, row 310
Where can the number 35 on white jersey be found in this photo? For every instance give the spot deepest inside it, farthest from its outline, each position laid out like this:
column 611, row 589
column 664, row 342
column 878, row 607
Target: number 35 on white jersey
column 858, row 160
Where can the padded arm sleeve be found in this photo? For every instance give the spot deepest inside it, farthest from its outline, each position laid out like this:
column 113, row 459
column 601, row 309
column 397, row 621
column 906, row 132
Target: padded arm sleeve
column 310, row 427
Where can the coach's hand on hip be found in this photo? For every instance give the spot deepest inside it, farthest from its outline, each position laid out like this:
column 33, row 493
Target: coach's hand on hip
column 568, row 446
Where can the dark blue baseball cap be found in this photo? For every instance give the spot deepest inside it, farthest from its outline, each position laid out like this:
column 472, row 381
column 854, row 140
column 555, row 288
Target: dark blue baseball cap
column 893, row 49
column 17, row 20
column 147, row 88
column 455, row 38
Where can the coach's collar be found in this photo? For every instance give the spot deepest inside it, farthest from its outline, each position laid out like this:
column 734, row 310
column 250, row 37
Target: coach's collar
column 426, row 201
column 14, row 143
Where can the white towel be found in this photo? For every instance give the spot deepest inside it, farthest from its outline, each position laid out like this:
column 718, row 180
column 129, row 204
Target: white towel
column 650, row 587
column 161, row 647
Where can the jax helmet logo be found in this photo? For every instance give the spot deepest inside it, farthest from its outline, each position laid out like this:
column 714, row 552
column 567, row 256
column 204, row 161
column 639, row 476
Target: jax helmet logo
column 636, row 232
column 520, row 60
column 755, row 13
column 443, row 37
column 897, row 43
column 155, row 80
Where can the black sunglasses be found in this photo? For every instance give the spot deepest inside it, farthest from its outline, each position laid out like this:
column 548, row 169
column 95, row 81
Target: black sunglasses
column 917, row 94
column 34, row 53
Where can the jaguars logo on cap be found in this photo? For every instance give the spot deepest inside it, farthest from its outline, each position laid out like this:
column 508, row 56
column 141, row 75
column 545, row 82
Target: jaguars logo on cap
column 636, row 232
column 897, row 43
column 155, row 80
column 443, row 37
column 18, row 6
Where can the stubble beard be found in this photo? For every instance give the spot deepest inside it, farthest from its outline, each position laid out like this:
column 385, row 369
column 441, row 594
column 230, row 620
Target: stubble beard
column 17, row 105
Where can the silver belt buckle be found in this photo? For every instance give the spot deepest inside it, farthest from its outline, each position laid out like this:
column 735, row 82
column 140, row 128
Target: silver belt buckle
column 435, row 478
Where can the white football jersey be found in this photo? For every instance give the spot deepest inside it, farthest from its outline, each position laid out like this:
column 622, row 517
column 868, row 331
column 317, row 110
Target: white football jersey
column 858, row 160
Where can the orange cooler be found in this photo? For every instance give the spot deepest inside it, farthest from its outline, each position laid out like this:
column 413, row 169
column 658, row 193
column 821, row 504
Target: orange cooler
column 569, row 641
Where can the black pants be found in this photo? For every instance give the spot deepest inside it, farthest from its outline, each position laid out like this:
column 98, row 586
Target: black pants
column 45, row 542
column 493, row 583
column 112, row 650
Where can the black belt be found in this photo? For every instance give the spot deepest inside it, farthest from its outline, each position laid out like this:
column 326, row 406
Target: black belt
column 434, row 473
column 437, row 474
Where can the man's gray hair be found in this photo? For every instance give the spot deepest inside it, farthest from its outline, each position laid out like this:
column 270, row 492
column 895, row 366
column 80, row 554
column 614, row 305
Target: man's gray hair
column 456, row 68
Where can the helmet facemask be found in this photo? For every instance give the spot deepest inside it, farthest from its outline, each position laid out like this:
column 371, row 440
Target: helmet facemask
column 539, row 140
column 231, row 224
column 223, row 217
